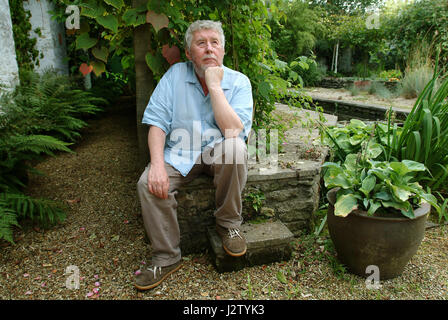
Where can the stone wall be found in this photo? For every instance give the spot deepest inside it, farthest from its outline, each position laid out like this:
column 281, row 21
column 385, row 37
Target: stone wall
column 338, row 83
column 291, row 196
column 51, row 42
column 9, row 71
column 346, row 110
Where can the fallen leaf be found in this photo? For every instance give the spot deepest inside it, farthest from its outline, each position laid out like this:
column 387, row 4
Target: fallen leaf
column 73, row 201
column 46, row 265
column 115, row 238
column 281, row 277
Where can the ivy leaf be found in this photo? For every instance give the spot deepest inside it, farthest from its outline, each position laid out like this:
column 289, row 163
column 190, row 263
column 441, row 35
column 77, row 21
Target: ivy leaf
column 98, row 67
column 171, row 54
column 157, row 20
column 264, row 88
column 132, row 18
column 109, row 22
column 83, row 41
column 100, row 53
column 345, row 204
column 115, row 3
column 85, row 69
column 92, row 10
column 155, row 62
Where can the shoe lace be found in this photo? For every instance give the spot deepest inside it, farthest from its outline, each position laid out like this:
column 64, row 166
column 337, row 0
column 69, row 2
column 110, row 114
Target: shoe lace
column 234, row 233
column 154, row 269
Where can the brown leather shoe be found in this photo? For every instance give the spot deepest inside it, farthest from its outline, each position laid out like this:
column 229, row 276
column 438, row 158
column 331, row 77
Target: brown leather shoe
column 154, row 275
column 232, row 241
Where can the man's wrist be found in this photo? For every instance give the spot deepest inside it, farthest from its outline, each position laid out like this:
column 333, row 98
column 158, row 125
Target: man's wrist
column 214, row 88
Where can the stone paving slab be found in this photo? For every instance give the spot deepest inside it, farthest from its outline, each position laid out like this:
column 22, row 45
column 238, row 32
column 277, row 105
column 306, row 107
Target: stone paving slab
column 266, row 243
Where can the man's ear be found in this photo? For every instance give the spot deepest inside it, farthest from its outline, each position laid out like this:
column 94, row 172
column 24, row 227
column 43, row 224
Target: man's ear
column 187, row 54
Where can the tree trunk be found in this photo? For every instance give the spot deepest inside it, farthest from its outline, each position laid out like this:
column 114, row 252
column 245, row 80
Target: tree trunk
column 336, row 58
column 144, row 84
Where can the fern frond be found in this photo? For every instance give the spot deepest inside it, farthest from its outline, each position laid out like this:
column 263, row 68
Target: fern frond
column 8, row 219
column 45, row 212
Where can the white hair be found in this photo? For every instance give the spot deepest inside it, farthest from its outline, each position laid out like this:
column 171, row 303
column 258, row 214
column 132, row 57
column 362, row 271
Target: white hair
column 201, row 25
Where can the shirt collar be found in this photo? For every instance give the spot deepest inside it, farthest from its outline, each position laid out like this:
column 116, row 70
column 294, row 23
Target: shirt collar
column 192, row 78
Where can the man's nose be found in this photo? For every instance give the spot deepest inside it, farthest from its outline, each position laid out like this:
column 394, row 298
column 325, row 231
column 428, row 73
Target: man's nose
column 209, row 47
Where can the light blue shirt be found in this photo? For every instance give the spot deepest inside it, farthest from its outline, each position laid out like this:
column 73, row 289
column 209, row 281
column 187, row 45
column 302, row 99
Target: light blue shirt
column 179, row 107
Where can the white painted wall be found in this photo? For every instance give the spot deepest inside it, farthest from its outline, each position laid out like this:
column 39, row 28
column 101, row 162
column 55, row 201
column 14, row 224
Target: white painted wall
column 9, row 71
column 52, row 42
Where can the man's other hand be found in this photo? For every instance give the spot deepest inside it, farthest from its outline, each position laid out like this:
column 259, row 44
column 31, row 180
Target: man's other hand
column 158, row 181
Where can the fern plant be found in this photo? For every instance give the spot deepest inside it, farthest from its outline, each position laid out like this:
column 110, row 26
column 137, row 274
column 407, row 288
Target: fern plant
column 51, row 104
column 43, row 115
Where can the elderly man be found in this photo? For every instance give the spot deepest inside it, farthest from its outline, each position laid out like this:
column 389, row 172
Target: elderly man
column 199, row 117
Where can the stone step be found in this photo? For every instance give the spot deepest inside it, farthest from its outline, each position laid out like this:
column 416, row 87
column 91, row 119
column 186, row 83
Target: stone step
column 266, row 243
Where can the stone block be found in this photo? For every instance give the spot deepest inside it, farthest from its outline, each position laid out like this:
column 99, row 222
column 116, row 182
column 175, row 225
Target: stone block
column 266, row 243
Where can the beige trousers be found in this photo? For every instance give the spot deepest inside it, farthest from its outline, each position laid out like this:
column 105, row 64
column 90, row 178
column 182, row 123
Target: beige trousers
column 227, row 163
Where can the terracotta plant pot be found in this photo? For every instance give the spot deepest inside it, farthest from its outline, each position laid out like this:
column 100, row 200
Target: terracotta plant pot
column 388, row 243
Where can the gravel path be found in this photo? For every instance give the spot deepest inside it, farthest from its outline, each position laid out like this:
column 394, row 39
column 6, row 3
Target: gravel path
column 103, row 238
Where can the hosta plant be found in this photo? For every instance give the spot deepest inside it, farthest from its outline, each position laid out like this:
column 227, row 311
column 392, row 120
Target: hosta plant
column 377, row 187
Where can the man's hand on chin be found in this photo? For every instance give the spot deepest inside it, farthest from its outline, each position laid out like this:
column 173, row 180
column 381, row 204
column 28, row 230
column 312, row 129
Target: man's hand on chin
column 213, row 77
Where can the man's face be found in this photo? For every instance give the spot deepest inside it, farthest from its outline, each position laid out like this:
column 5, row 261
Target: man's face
column 205, row 50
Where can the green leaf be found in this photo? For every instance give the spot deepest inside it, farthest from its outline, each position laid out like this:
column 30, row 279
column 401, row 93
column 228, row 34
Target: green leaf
column 281, row 277
column 413, row 165
column 98, row 67
column 345, row 204
column 264, row 88
column 115, row 3
column 368, row 184
column 373, row 207
column 155, row 62
column 383, row 195
column 132, row 18
column 400, row 193
column 83, row 41
column 374, row 150
column 92, row 10
column 110, row 22
column 101, row 53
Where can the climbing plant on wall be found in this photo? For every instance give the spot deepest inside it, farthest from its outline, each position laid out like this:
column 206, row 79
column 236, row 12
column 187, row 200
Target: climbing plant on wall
column 26, row 53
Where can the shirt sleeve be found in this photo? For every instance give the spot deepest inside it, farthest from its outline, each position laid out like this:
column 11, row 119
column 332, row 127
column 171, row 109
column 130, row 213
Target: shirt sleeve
column 242, row 103
column 159, row 111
